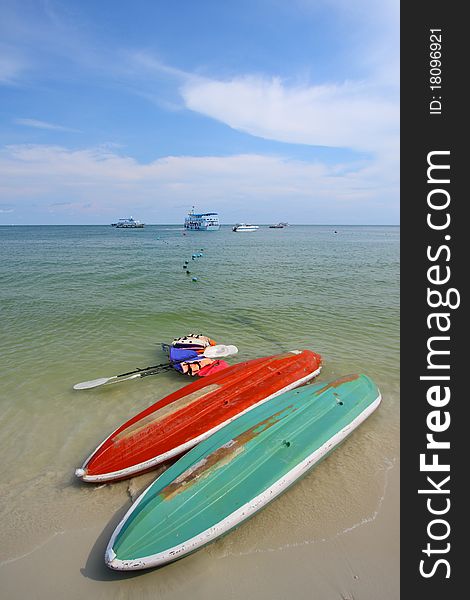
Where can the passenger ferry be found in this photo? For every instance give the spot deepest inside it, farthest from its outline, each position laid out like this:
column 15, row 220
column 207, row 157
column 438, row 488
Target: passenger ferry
column 202, row 221
column 129, row 223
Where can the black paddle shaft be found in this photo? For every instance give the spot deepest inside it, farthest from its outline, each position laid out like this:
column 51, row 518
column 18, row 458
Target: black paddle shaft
column 159, row 370
column 149, row 370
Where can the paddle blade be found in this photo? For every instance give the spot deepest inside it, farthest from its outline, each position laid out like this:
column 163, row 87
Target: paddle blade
column 220, row 351
column 86, row 385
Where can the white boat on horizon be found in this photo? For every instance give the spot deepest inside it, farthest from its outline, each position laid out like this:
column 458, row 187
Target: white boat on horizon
column 245, row 227
column 129, row 223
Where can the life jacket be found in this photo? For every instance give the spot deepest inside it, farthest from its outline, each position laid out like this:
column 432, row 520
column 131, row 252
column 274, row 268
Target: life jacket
column 177, row 355
column 185, row 355
column 193, row 341
column 191, row 367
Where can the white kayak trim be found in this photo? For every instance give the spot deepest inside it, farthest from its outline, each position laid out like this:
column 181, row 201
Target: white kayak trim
column 82, row 474
column 238, row 516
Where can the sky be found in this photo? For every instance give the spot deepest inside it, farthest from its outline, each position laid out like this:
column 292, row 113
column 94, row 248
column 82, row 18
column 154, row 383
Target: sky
column 261, row 110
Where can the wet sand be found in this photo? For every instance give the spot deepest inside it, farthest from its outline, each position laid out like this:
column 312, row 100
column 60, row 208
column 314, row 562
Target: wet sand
column 301, row 546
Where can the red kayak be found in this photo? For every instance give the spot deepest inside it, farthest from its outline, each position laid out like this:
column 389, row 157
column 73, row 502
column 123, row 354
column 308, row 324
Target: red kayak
column 179, row 421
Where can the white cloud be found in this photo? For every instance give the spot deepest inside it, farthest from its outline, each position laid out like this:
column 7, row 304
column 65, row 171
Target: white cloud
column 99, row 182
column 361, row 113
column 44, row 125
column 351, row 114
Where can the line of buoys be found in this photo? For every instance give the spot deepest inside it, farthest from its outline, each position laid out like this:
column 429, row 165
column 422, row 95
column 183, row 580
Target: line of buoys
column 194, row 256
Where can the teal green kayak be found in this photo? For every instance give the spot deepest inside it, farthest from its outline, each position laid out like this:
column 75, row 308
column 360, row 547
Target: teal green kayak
column 238, row 470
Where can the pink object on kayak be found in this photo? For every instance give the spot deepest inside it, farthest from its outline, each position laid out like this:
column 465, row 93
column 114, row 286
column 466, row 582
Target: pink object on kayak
column 217, row 365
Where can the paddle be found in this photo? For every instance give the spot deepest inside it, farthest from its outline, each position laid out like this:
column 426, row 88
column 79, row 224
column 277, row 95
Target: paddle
column 210, row 352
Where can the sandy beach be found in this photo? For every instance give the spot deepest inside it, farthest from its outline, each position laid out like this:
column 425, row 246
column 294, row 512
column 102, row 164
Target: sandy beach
column 287, row 551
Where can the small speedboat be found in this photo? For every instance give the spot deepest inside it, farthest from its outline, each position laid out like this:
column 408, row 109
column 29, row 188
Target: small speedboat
column 245, row 227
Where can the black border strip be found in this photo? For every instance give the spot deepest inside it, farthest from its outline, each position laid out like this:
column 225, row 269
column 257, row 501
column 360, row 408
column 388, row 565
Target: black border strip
column 427, row 128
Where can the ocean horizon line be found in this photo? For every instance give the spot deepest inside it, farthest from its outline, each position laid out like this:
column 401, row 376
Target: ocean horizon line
column 180, row 225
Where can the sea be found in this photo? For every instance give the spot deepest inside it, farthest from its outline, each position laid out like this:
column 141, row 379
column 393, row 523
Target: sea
column 82, row 302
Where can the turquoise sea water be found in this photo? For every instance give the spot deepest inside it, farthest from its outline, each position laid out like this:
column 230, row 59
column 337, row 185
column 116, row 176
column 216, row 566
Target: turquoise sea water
column 81, row 302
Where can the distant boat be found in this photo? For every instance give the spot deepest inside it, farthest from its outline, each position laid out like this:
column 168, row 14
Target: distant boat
column 129, row 223
column 245, row 227
column 202, row 221
column 278, row 226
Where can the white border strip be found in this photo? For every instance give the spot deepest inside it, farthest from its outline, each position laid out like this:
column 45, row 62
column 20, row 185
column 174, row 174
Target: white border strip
column 153, row 462
column 244, row 512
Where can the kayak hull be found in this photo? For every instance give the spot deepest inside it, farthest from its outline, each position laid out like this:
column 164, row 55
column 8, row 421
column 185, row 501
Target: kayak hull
column 181, row 420
column 237, row 471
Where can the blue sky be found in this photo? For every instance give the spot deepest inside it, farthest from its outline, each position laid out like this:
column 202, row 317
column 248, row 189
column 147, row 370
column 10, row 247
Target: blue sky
column 262, row 110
